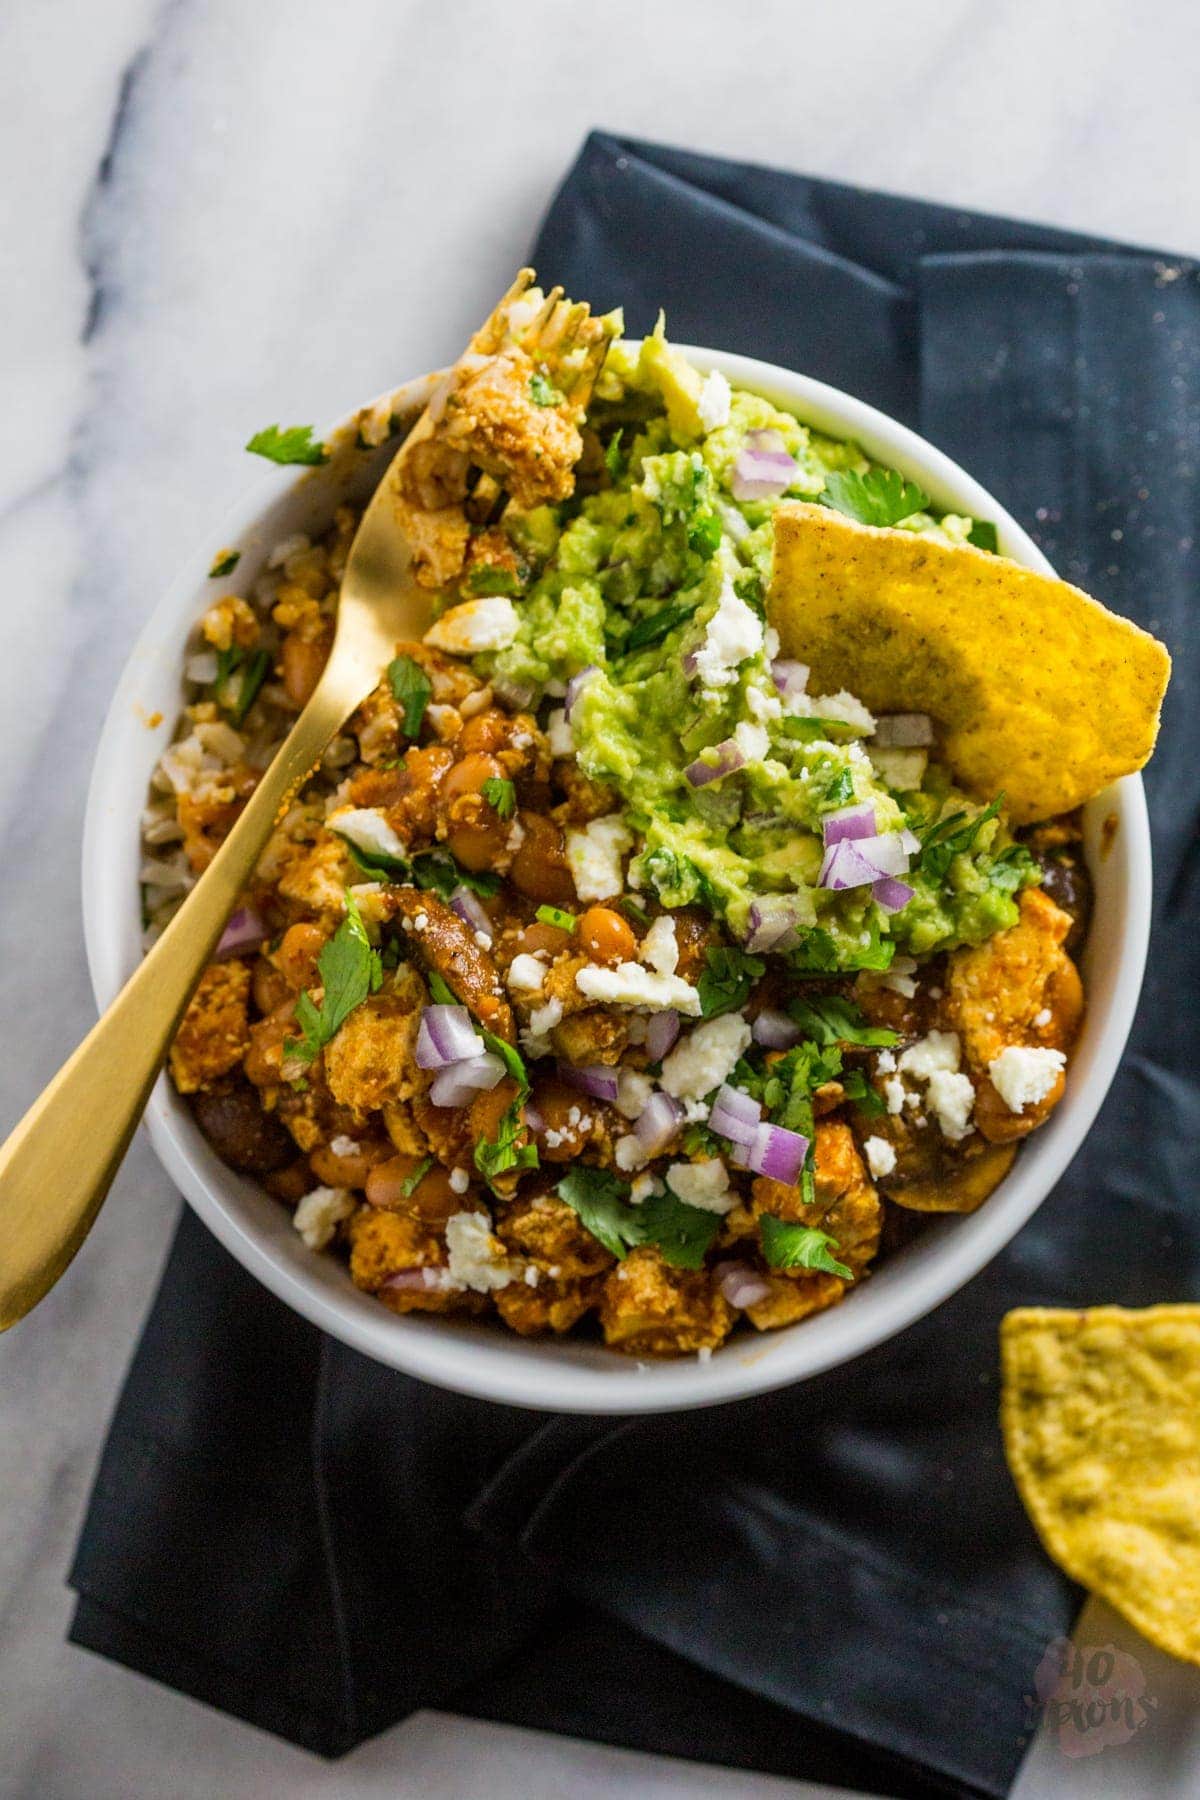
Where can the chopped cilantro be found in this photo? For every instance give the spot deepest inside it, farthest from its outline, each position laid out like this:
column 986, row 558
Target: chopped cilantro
column 294, row 444
column 224, row 563
column 832, row 1019
column 601, row 1202
column 614, row 462
column 411, row 688
column 377, row 865
column 953, row 836
column 542, row 390
column 817, row 953
column 437, row 872
column 808, row 729
column 658, row 626
column 840, row 791
column 554, row 915
column 983, row 535
column 240, row 674
column 632, row 910
column 728, row 976
column 788, row 1246
column 683, row 1234
column 500, row 795
column 698, row 1140
column 350, row 970
column 411, row 1183
column 880, row 497
column 859, row 1090
column 490, row 578
column 704, row 535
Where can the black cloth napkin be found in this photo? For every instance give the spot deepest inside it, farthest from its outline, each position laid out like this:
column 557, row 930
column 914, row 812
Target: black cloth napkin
column 837, row 1580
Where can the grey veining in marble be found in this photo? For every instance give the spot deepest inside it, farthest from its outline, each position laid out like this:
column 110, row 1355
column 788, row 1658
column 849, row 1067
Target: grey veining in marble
column 215, row 213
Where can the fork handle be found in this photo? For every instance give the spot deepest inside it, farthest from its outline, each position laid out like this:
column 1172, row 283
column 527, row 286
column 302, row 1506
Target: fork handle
column 59, row 1162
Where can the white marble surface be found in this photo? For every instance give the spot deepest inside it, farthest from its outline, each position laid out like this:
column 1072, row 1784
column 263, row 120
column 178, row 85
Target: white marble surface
column 215, row 213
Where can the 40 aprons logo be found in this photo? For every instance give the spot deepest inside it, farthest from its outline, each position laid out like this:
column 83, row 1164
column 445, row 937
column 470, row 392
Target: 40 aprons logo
column 1091, row 1697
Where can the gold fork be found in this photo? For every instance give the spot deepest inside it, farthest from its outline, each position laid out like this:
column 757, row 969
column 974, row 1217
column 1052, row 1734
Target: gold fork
column 59, row 1162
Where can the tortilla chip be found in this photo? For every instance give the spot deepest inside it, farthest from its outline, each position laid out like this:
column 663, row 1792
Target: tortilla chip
column 1101, row 1419
column 1036, row 689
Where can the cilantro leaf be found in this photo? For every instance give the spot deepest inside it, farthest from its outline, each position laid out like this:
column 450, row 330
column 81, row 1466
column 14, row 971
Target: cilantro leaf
column 983, row 535
column 240, row 674
column 411, row 1183
column 411, row 688
column 817, row 953
column 542, row 390
column 807, row 730
column 880, row 497
column 437, row 872
column 788, row 1246
column 494, row 1155
column 224, row 563
column 832, row 1019
column 350, row 970
column 294, row 444
column 840, row 789
column 501, row 796
column 859, row 1090
column 600, row 1201
column 376, row 865
column 704, row 535
column 728, row 977
column 614, row 462
column 658, row 626
column 683, row 1234
column 953, row 836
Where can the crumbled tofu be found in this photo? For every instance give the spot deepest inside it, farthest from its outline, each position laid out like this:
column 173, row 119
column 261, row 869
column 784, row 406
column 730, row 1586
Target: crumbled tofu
column 489, row 623
column 734, row 633
column 558, row 733
column 881, row 1157
column 660, row 946
column 633, row 1091
column 526, row 975
column 476, row 1259
column 460, row 1181
column 594, row 857
column 631, row 985
column 706, row 1057
column 319, row 1214
column 702, row 1184
column 1024, row 1074
column 713, row 401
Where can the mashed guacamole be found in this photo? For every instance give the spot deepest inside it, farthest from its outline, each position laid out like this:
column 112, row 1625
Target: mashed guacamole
column 642, row 614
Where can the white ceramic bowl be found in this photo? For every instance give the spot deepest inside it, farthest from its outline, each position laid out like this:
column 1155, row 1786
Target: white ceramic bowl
column 571, row 1375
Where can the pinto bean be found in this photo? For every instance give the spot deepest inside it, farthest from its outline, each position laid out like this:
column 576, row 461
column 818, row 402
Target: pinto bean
column 303, row 656
column 296, row 957
column 432, row 1199
column 539, row 867
column 606, row 936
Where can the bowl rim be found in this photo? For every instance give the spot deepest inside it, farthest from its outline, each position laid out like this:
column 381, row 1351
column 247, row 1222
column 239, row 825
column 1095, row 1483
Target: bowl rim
column 545, row 1374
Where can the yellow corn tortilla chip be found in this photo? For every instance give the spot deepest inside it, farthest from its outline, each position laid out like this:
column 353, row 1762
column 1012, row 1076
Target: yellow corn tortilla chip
column 1101, row 1418
column 1035, row 688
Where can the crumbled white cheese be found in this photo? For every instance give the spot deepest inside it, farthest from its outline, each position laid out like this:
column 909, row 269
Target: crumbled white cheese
column 489, row 623
column 939, row 1050
column 899, row 977
column 460, row 1181
column 900, row 769
column 526, row 975
column 885, row 1062
column 752, row 741
column 628, row 1153
column 734, row 632
column 532, row 1275
column 770, row 643
column 318, row 1215
column 660, row 946
column 935, row 1060
column 1042, row 1018
column 893, row 1093
column 705, row 1057
column 633, row 1091
column 881, row 1157
column 536, row 1036
column 558, row 733
column 842, row 706
column 631, row 985
column 713, row 401
column 368, row 830
column 644, row 1187
column 702, row 1184
column 761, row 705
column 1023, row 1074
column 594, row 857
column 344, row 1146
column 476, row 1259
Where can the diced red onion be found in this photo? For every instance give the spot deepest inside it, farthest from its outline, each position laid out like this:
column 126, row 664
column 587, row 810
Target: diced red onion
column 660, row 1119
column 775, row 1031
column 534, row 1117
column 778, row 1154
column 891, row 894
column 845, row 867
column 244, row 932
column 773, row 921
column 459, row 1084
column 885, row 853
column 661, row 1033
column 762, row 469
column 741, row 1285
column 405, row 1281
column 446, row 1035
column 735, row 1115
column 515, row 694
column 903, row 731
column 739, row 1156
column 597, row 1080
column 729, row 758
column 789, row 677
column 910, row 841
column 576, row 685
column 848, row 823
column 470, row 910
